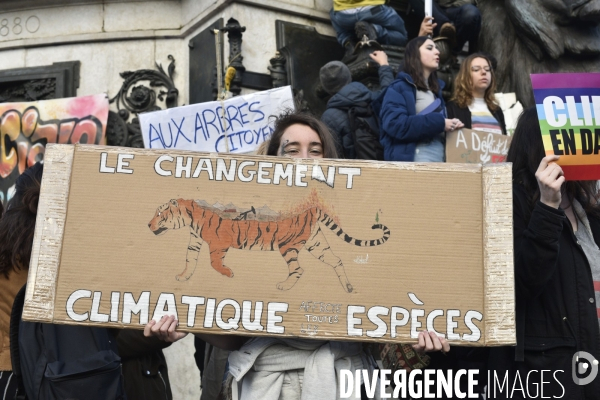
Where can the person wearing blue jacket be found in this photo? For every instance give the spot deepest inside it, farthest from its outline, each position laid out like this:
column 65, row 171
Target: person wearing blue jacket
column 412, row 115
column 336, row 79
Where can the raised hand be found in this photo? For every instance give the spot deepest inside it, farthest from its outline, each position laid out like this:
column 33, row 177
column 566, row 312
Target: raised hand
column 453, row 124
column 550, row 178
column 427, row 27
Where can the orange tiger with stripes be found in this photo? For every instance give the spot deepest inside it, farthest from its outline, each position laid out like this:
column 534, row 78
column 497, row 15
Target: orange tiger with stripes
column 287, row 236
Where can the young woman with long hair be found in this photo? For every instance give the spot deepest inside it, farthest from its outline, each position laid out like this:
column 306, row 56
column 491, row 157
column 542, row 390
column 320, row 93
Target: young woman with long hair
column 473, row 101
column 296, row 135
column 413, row 117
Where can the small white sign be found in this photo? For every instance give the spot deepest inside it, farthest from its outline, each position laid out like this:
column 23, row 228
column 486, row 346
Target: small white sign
column 236, row 125
column 428, row 8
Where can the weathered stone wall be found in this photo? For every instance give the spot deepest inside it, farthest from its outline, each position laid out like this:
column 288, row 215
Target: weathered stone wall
column 114, row 37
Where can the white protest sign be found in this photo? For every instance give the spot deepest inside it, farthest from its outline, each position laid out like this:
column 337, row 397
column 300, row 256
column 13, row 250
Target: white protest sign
column 236, row 125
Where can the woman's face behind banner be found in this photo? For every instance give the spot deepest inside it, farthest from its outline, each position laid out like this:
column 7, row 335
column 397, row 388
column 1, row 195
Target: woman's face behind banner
column 300, row 141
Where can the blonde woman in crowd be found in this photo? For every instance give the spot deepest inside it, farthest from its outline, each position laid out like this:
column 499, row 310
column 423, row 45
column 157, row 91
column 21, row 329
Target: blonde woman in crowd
column 473, row 101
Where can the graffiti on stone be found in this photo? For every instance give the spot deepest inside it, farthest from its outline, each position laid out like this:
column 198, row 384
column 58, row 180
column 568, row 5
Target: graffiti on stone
column 26, row 128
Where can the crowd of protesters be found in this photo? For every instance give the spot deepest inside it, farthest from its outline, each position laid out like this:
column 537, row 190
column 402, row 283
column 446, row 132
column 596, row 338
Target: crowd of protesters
column 556, row 240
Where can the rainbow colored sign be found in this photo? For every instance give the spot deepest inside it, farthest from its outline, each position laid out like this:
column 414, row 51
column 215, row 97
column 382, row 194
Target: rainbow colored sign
column 568, row 107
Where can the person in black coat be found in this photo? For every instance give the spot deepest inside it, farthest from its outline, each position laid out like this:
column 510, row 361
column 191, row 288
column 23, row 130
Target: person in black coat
column 336, row 79
column 557, row 266
column 145, row 372
column 473, row 101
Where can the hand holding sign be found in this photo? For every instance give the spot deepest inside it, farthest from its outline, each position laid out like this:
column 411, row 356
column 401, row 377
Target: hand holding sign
column 430, row 341
column 550, row 178
column 452, row 124
column 164, row 329
column 427, row 26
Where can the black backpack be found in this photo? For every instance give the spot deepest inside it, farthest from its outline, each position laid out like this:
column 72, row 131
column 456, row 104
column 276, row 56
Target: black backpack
column 365, row 132
column 63, row 362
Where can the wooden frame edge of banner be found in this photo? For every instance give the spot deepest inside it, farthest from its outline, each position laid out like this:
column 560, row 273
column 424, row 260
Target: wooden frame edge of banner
column 499, row 301
column 49, row 230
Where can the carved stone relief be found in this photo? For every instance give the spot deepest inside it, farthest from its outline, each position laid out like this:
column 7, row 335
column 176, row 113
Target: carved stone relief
column 40, row 83
column 539, row 36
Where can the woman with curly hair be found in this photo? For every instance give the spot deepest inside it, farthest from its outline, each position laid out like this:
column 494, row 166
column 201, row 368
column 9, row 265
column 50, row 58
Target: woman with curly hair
column 473, row 99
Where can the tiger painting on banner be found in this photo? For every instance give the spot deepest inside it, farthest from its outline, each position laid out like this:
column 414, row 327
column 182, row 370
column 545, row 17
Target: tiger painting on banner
column 285, row 234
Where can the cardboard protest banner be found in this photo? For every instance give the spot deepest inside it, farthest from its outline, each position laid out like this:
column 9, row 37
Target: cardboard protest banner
column 26, row 128
column 568, row 107
column 236, row 125
column 470, row 146
column 326, row 249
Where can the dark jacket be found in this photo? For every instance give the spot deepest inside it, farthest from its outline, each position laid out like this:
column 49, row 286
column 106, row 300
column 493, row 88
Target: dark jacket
column 82, row 362
column 144, row 366
column 555, row 301
column 69, row 362
column 464, row 115
column 351, row 95
column 401, row 127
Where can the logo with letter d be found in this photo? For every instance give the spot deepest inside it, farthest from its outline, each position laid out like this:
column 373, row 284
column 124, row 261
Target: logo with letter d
column 582, row 363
